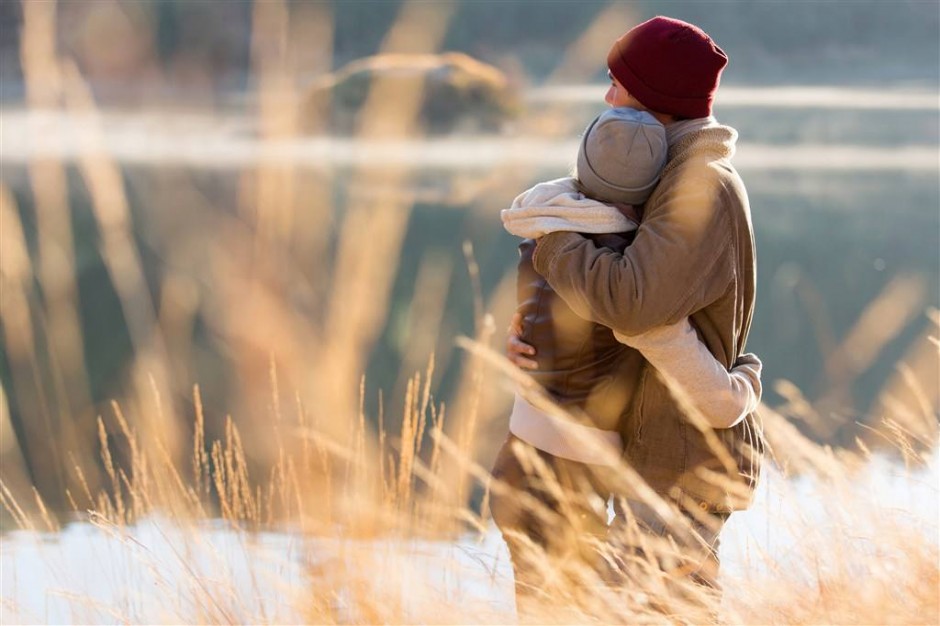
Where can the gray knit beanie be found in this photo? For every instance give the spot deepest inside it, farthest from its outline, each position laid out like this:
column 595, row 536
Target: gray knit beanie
column 621, row 155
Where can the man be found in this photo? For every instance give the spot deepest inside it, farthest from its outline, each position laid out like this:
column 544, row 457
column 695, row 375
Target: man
column 693, row 256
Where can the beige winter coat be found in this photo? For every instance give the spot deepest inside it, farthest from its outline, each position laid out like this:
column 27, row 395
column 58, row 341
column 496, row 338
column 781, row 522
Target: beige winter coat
column 693, row 256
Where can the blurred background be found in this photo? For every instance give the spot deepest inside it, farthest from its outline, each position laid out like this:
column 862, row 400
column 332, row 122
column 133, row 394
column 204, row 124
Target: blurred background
column 294, row 206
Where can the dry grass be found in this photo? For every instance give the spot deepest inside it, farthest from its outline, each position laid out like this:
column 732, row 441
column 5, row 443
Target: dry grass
column 298, row 315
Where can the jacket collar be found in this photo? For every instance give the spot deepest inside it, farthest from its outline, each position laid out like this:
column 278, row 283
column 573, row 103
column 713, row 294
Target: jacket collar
column 716, row 140
column 677, row 130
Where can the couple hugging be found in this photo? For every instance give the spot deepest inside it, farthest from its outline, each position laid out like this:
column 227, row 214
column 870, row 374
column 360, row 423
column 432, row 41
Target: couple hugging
column 636, row 286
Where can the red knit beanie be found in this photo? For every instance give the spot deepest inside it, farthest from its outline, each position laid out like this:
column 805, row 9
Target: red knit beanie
column 670, row 66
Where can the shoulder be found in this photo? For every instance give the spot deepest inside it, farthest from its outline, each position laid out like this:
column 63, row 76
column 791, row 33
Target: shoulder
column 701, row 185
column 695, row 190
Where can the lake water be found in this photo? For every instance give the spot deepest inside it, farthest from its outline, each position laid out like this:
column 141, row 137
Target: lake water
column 844, row 186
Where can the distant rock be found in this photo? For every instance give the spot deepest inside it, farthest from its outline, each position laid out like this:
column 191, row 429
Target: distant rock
column 403, row 94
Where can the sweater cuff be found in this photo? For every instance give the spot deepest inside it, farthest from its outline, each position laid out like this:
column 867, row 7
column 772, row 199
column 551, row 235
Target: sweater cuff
column 547, row 248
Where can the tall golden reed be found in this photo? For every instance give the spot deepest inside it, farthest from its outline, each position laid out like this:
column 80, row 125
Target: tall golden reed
column 299, row 317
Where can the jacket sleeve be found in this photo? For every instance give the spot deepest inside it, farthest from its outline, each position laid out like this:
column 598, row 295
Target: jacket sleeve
column 680, row 261
column 692, row 373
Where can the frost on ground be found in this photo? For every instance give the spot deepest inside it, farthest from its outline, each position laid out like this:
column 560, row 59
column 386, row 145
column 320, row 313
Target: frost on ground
column 800, row 534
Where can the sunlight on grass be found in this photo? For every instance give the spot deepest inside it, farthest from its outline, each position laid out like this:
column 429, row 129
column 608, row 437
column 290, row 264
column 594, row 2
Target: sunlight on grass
column 280, row 490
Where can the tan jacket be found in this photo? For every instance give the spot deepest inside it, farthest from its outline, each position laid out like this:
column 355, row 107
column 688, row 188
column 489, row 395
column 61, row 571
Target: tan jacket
column 693, row 256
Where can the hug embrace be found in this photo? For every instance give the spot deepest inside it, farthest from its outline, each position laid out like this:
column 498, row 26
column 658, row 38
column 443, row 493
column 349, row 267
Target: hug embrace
column 636, row 285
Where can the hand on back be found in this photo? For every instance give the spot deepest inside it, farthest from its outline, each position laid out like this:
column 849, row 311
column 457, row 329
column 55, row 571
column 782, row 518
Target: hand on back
column 517, row 350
